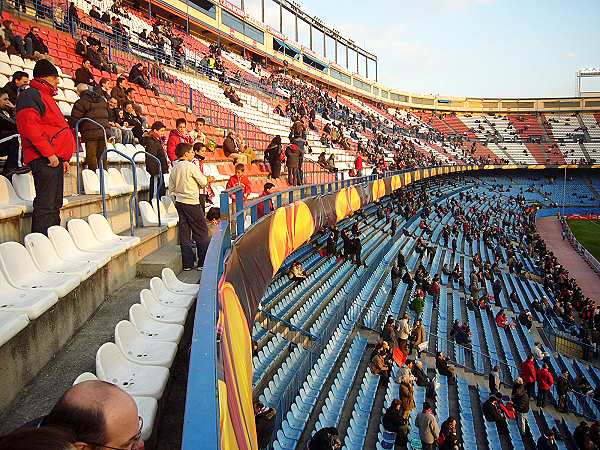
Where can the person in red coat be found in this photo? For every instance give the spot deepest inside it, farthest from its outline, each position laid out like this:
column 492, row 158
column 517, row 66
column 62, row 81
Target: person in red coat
column 47, row 144
column 545, row 381
column 240, row 180
column 529, row 375
column 178, row 136
column 358, row 165
column 260, row 208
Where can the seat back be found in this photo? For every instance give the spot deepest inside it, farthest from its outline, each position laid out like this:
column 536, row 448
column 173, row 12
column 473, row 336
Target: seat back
column 169, row 278
column 139, row 316
column 149, row 301
column 117, row 179
column 85, row 376
column 8, row 196
column 125, row 335
column 158, row 288
column 16, row 262
column 42, row 251
column 82, row 233
column 169, row 205
column 148, row 215
column 100, row 227
column 62, row 242
column 91, row 182
column 109, row 362
column 24, row 186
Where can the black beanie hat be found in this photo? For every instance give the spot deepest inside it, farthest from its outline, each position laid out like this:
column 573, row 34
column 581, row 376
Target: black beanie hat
column 44, row 68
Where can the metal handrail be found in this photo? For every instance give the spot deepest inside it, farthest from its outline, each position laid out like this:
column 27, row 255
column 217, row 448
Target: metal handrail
column 158, row 181
column 293, row 194
column 132, row 201
column 18, row 137
column 78, row 148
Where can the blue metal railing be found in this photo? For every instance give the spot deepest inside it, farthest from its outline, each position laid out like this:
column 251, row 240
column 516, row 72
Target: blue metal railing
column 133, row 206
column 78, row 149
column 158, row 182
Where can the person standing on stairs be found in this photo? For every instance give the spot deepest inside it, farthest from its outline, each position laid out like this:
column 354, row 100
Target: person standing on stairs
column 47, row 143
column 520, row 399
column 152, row 142
column 185, row 183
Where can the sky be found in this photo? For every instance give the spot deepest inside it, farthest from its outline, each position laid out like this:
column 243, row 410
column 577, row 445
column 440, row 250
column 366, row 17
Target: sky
column 476, row 48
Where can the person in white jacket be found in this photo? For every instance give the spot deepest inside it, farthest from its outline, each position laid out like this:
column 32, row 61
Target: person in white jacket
column 404, row 333
column 185, row 182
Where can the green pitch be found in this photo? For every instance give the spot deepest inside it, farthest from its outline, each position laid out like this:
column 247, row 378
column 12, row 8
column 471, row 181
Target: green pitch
column 588, row 233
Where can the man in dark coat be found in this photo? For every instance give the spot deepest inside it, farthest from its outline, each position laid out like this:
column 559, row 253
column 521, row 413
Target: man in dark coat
column 396, row 275
column 19, row 82
column 520, row 399
column 35, row 46
column 153, row 145
column 292, row 157
column 9, row 148
column 265, row 424
column 91, row 105
column 84, row 75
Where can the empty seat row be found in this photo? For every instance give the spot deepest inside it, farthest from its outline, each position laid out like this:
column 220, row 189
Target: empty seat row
column 145, row 346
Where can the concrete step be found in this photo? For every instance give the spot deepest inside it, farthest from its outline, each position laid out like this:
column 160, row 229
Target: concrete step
column 167, row 256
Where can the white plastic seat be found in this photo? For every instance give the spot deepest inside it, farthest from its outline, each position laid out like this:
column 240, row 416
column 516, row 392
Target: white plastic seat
column 91, row 183
column 153, row 329
column 11, row 323
column 168, row 203
column 70, row 96
column 33, row 302
column 150, row 219
column 9, row 198
column 21, row 272
column 5, row 69
column 65, row 108
column 174, row 284
column 141, row 350
column 67, row 83
column 118, row 182
column 169, row 298
column 135, row 379
column 164, row 213
column 128, row 177
column 143, row 177
column 111, row 186
column 67, row 250
column 160, row 312
column 85, row 376
column 147, row 406
column 84, row 239
column 47, row 260
column 25, row 189
column 104, row 233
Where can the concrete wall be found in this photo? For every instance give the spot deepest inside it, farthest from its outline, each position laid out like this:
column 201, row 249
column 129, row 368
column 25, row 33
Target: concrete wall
column 29, row 351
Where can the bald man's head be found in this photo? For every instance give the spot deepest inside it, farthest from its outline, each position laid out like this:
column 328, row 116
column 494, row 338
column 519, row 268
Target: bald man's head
column 98, row 412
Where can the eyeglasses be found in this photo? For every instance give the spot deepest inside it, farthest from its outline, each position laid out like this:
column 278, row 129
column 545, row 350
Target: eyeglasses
column 135, row 440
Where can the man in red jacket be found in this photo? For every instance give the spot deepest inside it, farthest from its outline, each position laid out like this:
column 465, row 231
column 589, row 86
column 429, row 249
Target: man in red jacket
column 178, row 136
column 48, row 144
column 358, row 165
column 545, row 380
column 529, row 375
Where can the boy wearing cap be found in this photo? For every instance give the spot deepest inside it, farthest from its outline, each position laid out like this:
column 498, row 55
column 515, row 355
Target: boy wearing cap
column 47, row 144
column 185, row 183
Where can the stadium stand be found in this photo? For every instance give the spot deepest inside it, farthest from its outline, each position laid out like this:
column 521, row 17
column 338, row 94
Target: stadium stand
column 313, row 338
